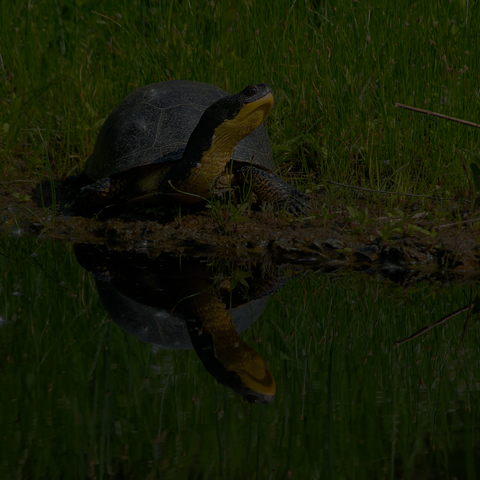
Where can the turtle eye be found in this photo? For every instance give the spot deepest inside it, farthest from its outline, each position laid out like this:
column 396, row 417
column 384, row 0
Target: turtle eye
column 251, row 90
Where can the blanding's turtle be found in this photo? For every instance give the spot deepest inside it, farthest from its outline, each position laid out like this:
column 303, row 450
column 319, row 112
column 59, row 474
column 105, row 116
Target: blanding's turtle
column 185, row 140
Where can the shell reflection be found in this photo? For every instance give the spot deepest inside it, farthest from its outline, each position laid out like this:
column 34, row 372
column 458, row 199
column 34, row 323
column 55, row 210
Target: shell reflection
column 188, row 303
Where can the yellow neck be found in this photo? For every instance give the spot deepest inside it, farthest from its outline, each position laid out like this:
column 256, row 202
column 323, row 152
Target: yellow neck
column 234, row 354
column 226, row 136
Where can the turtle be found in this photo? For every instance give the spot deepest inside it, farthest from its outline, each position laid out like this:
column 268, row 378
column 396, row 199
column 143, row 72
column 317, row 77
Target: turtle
column 186, row 140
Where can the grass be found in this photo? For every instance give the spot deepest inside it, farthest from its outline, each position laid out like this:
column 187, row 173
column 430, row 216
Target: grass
column 336, row 71
column 80, row 398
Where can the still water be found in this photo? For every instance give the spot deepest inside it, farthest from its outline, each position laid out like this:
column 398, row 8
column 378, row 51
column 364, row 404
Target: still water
column 122, row 364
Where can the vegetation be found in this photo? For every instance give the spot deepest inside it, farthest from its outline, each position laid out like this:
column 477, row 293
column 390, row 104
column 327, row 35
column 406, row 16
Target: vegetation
column 336, row 70
column 82, row 399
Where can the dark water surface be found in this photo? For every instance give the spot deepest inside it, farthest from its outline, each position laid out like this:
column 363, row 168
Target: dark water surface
column 123, row 365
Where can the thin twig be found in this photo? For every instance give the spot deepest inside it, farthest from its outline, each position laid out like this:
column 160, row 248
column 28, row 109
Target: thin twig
column 19, row 181
column 433, row 325
column 390, row 193
column 439, row 115
column 468, row 318
column 466, row 172
column 107, row 17
column 446, row 225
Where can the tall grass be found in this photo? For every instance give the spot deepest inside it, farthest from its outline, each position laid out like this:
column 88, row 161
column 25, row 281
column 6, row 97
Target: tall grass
column 82, row 399
column 336, row 70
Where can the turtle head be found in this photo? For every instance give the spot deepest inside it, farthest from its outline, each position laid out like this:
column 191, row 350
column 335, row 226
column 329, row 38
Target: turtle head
column 230, row 119
column 244, row 111
column 213, row 140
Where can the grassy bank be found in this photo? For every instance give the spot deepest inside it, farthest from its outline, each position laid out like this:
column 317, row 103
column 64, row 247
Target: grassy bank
column 336, row 71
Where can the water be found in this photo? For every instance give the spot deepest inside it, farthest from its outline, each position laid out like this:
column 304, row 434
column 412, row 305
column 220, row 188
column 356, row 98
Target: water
column 83, row 397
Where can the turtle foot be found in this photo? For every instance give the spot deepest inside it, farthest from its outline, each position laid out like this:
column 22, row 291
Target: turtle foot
column 270, row 188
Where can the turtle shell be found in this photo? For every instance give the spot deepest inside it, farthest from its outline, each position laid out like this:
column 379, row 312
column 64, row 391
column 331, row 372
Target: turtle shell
column 153, row 125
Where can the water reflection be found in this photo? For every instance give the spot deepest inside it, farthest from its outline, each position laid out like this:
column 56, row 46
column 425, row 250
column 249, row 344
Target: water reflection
column 184, row 303
column 372, row 380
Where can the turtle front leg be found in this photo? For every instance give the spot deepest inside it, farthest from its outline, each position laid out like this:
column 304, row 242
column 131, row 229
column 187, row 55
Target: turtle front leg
column 270, row 188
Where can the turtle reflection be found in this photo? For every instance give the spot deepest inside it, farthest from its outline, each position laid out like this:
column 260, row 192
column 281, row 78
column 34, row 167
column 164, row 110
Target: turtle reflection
column 183, row 303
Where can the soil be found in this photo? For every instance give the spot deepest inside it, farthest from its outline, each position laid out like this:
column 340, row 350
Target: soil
column 322, row 241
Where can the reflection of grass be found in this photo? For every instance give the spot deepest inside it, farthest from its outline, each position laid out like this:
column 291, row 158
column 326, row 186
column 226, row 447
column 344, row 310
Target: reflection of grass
column 336, row 72
column 349, row 326
column 79, row 395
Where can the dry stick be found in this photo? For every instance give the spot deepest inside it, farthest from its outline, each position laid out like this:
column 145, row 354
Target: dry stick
column 446, row 117
column 105, row 16
column 19, row 181
column 425, row 112
column 439, row 115
column 466, row 171
column 433, row 325
column 383, row 191
column 468, row 318
column 447, row 225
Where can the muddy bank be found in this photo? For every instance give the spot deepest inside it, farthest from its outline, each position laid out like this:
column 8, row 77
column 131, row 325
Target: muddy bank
column 325, row 240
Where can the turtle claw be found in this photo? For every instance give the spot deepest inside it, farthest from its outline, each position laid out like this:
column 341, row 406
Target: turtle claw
column 270, row 188
column 295, row 204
